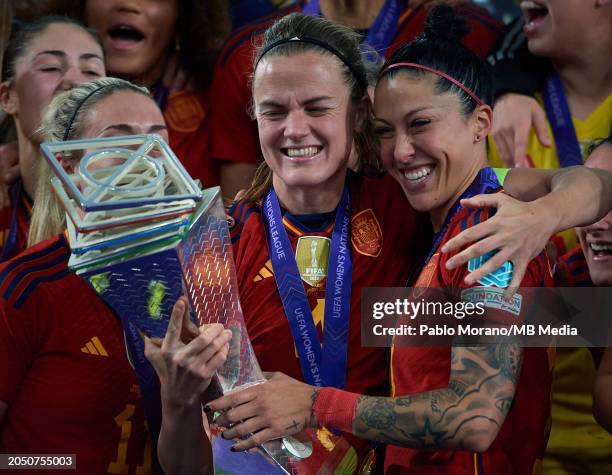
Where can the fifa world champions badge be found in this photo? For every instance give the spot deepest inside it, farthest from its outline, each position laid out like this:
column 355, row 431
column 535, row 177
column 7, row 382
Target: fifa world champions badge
column 142, row 233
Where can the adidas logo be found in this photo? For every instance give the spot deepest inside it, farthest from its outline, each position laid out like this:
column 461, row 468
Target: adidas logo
column 265, row 272
column 94, row 347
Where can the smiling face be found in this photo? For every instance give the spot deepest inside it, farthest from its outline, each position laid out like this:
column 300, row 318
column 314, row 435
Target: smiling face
column 305, row 119
column 427, row 144
column 596, row 239
column 136, row 35
column 59, row 58
column 555, row 28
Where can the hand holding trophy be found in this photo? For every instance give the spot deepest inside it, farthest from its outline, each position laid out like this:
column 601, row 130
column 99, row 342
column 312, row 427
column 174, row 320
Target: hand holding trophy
column 142, row 234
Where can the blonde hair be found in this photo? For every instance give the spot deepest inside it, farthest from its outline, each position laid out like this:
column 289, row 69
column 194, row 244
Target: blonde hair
column 65, row 119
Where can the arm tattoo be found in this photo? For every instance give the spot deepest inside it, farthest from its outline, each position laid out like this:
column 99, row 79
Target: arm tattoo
column 377, row 413
column 510, row 356
column 435, row 401
column 478, row 398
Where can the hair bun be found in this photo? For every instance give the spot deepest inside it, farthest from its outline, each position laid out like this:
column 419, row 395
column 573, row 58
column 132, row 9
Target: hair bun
column 444, row 24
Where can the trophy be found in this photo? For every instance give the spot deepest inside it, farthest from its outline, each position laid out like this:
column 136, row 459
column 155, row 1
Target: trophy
column 142, row 233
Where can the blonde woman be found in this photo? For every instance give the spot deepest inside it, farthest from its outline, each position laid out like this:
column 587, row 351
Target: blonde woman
column 56, row 397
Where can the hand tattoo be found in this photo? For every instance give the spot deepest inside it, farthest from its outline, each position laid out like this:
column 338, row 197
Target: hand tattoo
column 294, row 426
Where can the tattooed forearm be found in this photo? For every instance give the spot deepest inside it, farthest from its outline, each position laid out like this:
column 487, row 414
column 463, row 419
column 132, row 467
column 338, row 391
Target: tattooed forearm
column 510, row 356
column 435, row 403
column 458, row 387
column 465, row 415
column 504, row 405
column 377, row 413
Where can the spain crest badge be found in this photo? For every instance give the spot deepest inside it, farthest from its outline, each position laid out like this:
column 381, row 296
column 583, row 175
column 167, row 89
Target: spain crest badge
column 366, row 234
column 183, row 112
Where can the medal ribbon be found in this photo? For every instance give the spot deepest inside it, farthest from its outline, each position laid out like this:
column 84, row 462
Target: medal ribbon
column 11, row 238
column 322, row 365
column 486, row 182
column 560, row 117
column 383, row 29
column 160, row 95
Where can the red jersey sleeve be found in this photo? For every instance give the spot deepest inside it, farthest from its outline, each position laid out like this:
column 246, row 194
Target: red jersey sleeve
column 572, row 269
column 17, row 347
column 234, row 133
column 537, row 274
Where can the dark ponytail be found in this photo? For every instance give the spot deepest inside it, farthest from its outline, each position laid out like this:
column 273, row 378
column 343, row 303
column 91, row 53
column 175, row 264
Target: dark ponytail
column 440, row 48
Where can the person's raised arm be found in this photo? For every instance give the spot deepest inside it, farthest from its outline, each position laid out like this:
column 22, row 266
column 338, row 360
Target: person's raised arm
column 552, row 201
column 518, row 76
column 185, row 371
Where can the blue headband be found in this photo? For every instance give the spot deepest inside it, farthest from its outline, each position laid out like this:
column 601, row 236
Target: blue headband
column 360, row 78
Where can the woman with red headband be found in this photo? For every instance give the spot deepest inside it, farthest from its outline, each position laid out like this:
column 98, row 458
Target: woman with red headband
column 453, row 410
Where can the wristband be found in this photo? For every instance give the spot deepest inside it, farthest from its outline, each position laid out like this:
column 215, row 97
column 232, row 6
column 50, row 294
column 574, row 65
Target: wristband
column 335, row 408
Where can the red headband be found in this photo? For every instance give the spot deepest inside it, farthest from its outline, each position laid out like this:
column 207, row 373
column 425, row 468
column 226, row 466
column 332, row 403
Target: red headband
column 439, row 73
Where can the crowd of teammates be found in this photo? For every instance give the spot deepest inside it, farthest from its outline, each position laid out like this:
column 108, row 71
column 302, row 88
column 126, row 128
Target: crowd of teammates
column 570, row 114
column 233, row 107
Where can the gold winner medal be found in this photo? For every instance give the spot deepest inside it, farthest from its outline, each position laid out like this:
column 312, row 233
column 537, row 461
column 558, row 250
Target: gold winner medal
column 297, row 449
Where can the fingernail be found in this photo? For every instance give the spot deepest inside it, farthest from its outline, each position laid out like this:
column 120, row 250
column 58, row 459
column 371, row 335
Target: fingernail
column 450, row 264
column 468, row 280
column 444, row 248
column 207, row 409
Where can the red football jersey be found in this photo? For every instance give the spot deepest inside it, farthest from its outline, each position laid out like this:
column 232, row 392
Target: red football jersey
column 65, row 375
column 187, row 115
column 234, row 133
column 572, row 270
column 387, row 237
column 23, row 213
column 522, row 438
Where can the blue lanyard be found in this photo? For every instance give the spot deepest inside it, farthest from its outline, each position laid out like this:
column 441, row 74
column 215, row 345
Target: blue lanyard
column 486, row 181
column 383, row 29
column 560, row 117
column 11, row 239
column 160, row 95
column 322, row 365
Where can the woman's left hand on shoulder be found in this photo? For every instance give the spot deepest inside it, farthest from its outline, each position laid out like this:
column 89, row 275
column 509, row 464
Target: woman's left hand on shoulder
column 518, row 232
